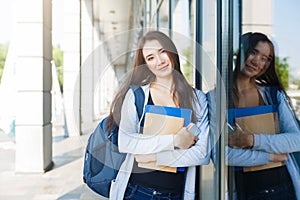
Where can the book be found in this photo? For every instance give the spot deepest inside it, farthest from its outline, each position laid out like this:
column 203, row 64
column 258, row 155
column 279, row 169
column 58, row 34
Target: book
column 257, row 120
column 164, row 120
column 171, row 111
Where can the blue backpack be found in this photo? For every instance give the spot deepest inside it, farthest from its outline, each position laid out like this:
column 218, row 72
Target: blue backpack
column 102, row 159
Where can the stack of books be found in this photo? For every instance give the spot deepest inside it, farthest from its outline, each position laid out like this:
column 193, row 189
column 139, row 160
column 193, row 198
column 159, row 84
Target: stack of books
column 256, row 120
column 164, row 120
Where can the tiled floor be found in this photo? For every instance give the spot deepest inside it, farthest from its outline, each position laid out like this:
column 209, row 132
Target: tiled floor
column 63, row 182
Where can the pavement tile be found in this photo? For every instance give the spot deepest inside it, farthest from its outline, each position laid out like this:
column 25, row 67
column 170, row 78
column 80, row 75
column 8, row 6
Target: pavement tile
column 63, row 182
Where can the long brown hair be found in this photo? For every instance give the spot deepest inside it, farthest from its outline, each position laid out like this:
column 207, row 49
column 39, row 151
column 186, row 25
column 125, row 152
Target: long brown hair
column 140, row 75
column 269, row 77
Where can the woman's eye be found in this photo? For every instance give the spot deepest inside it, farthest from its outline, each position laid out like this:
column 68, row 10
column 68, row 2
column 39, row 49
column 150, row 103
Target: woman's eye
column 150, row 58
column 264, row 59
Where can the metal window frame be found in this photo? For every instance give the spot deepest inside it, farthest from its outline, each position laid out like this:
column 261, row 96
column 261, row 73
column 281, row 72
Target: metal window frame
column 225, row 37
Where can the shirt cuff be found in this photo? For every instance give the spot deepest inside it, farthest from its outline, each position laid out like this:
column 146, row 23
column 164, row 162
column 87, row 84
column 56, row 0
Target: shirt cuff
column 256, row 142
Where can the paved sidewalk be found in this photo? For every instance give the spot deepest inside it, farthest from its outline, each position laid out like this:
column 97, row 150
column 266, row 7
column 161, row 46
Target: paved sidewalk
column 63, row 182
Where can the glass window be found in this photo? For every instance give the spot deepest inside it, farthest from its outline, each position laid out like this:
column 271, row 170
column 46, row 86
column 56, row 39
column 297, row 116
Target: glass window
column 163, row 16
column 153, row 6
column 205, row 56
column 181, row 34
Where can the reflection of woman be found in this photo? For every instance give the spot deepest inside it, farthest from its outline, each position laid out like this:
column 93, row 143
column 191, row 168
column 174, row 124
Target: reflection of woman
column 157, row 71
column 254, row 82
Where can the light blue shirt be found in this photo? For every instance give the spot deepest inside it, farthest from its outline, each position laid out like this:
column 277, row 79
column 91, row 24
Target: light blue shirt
column 288, row 141
column 131, row 142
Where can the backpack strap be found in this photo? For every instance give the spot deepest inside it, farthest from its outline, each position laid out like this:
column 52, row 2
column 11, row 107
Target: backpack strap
column 273, row 95
column 139, row 96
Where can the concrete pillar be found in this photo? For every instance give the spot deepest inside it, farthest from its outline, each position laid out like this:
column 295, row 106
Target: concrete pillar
column 87, row 67
column 72, row 62
column 105, row 80
column 34, row 81
column 257, row 16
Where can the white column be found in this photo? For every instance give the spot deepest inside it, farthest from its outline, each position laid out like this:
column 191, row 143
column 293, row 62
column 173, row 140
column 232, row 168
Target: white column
column 257, row 16
column 87, row 67
column 34, row 81
column 72, row 59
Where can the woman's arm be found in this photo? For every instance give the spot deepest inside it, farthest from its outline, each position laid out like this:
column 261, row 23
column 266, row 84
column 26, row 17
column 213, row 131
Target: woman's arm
column 200, row 152
column 288, row 140
column 234, row 157
column 245, row 157
column 130, row 141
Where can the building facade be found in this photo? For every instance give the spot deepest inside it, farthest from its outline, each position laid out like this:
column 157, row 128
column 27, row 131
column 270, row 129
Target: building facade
column 99, row 41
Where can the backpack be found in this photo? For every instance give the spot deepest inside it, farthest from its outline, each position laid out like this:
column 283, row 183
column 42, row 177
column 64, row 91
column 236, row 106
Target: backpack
column 102, row 158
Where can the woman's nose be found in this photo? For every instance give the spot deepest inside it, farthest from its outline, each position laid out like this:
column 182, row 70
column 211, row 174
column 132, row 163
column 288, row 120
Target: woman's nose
column 255, row 60
column 160, row 59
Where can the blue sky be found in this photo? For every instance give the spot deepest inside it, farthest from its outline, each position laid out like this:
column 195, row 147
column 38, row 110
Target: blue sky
column 6, row 20
column 286, row 28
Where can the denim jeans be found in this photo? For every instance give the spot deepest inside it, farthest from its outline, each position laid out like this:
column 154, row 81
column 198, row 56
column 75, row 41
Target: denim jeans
column 281, row 192
column 136, row 192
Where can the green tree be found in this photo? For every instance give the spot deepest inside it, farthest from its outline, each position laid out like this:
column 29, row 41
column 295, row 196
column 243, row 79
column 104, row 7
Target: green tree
column 187, row 65
column 282, row 70
column 58, row 60
column 3, row 53
column 296, row 82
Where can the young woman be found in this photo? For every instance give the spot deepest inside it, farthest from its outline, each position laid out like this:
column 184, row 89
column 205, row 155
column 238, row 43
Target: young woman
column 157, row 71
column 254, row 79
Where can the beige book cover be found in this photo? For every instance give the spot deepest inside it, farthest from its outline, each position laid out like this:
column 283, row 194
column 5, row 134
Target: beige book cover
column 260, row 124
column 161, row 124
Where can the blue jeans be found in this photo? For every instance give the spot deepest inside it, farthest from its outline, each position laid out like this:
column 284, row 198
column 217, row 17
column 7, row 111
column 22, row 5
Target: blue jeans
column 136, row 192
column 281, row 192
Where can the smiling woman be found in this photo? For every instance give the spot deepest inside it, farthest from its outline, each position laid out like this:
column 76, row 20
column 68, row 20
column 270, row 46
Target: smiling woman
column 157, row 72
column 257, row 84
column 157, row 60
column 257, row 63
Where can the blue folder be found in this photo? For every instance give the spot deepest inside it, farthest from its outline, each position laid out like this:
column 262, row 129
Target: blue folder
column 249, row 111
column 233, row 113
column 172, row 111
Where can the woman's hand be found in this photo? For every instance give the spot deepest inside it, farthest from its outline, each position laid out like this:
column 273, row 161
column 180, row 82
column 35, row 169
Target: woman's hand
column 277, row 157
column 241, row 140
column 145, row 157
column 183, row 139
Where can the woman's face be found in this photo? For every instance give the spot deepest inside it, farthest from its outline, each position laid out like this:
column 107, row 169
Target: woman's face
column 258, row 60
column 157, row 59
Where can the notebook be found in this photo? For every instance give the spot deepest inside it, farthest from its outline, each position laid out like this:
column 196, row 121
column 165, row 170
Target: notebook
column 258, row 120
column 164, row 120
